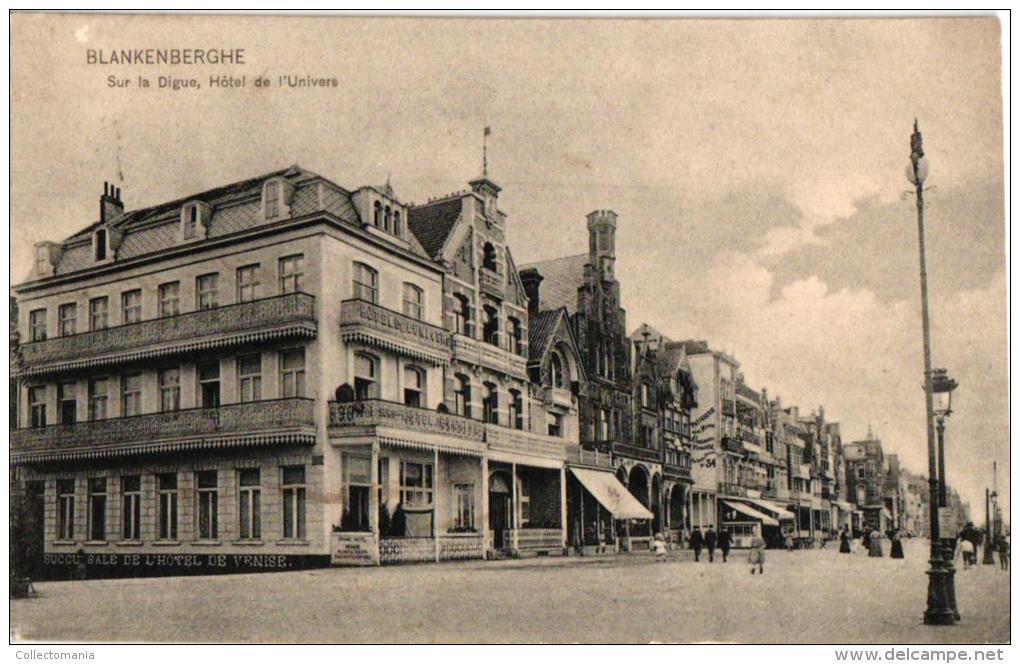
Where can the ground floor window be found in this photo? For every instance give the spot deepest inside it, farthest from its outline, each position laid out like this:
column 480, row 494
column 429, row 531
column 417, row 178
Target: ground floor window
column 208, row 507
column 97, row 509
column 356, row 481
column 249, row 503
column 167, row 506
column 464, row 504
column 293, row 487
column 65, row 506
column 416, row 484
column 131, row 488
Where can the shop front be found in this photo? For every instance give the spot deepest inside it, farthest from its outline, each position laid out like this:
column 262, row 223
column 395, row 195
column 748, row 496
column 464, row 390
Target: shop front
column 603, row 511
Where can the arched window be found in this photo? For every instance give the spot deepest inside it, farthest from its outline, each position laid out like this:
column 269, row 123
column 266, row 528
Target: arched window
column 414, row 386
column 489, row 257
column 490, row 404
column 388, row 221
column 644, row 395
column 377, row 221
column 516, row 340
column 462, row 316
column 603, row 432
column 462, row 395
column 490, row 331
column 366, row 283
column 398, row 228
column 412, row 301
column 556, row 371
column 100, row 244
column 516, row 407
column 366, row 376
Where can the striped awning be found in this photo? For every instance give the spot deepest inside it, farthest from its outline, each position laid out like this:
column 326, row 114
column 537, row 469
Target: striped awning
column 408, row 350
column 450, row 447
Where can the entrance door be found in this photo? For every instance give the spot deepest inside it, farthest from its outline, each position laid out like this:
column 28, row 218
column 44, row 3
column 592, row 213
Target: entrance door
column 499, row 519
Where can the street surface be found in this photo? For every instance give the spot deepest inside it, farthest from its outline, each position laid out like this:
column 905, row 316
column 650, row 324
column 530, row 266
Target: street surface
column 814, row 596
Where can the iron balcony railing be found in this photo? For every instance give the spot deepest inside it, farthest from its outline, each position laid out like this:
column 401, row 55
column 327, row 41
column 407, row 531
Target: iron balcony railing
column 259, row 320
column 375, row 325
column 255, row 423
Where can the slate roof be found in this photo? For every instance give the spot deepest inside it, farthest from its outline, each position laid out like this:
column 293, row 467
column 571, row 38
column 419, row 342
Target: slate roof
column 561, row 278
column 433, row 222
column 540, row 328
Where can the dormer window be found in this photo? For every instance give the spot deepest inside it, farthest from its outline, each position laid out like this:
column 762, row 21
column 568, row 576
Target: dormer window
column 377, row 220
column 42, row 259
column 388, row 223
column 489, row 257
column 398, row 228
column 99, row 244
column 272, row 200
column 190, row 222
column 196, row 217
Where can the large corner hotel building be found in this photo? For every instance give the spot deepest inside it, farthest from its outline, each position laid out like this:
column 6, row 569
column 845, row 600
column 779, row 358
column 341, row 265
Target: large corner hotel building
column 243, row 379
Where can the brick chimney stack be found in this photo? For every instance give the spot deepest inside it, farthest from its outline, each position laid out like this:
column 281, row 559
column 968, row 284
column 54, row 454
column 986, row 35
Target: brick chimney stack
column 110, row 205
column 532, row 280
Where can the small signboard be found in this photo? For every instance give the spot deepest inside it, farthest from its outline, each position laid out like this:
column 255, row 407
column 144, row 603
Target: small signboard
column 354, row 549
column 948, row 526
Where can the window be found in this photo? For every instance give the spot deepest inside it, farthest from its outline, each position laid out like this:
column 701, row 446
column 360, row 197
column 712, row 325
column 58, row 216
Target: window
column 100, row 244
column 97, row 509
column 249, row 378
column 416, row 484
column 464, row 506
column 249, row 509
column 413, row 301
column 490, row 328
column 131, row 306
column 489, row 257
column 166, row 485
column 99, row 313
column 398, row 228
column 356, row 485
column 169, row 389
column 206, row 291
column 366, row 283
column 272, row 199
column 516, row 336
column 97, row 399
column 37, row 325
column 209, row 384
column 67, row 396
column 292, row 272
column 414, row 387
column 388, row 219
column 555, row 424
column 377, row 218
column 293, row 487
column 644, row 395
column 516, row 405
column 67, row 316
column 247, row 283
column 42, row 259
column 208, row 504
column 366, row 376
column 37, row 405
column 65, row 505
column 131, row 519
column 617, row 430
column 292, row 372
column 603, row 431
column 170, row 299
column 462, row 316
column 462, row 396
column 860, row 472
column 490, row 404
column 556, row 373
column 130, row 395
column 190, row 222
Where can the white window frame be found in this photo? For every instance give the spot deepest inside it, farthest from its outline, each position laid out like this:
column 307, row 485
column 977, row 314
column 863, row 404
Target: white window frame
column 133, row 394
column 295, row 506
column 207, row 505
column 418, row 496
column 248, row 283
column 169, row 295
column 362, row 289
column 169, row 390
column 207, row 291
column 296, row 374
column 67, row 325
column 292, row 272
column 249, row 384
column 97, row 399
column 37, row 325
column 167, row 508
column 250, row 516
column 414, row 301
column 131, row 515
column 463, row 505
column 131, row 313
column 65, row 510
column 93, row 516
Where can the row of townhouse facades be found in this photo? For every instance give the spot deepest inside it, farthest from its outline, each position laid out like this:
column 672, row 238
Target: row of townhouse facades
column 282, row 372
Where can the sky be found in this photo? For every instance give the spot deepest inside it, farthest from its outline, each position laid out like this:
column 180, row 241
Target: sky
column 757, row 167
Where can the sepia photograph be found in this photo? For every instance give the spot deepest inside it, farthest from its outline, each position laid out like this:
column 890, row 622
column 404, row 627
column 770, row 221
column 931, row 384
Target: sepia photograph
column 510, row 329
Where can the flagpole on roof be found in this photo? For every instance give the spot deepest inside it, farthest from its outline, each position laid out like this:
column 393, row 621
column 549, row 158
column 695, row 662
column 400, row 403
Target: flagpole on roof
column 485, row 151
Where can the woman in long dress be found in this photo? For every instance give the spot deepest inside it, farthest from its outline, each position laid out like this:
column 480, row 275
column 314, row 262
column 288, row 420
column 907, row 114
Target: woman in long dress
column 897, row 545
column 875, row 544
column 756, row 556
column 844, row 540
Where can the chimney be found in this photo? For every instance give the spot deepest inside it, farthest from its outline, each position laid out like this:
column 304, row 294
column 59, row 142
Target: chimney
column 532, row 281
column 110, row 205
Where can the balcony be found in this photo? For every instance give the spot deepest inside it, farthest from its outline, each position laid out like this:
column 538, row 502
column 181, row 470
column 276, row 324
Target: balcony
column 257, row 423
column 732, row 445
column 515, row 441
column 636, row 452
column 273, row 318
column 558, row 396
column 731, row 489
column 474, row 352
column 379, row 413
column 674, row 472
column 366, row 322
column 490, row 282
column 777, row 492
column 579, row 456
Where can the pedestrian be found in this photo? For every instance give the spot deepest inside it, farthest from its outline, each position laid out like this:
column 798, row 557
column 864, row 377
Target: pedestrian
column 896, row 546
column 696, row 543
column 967, row 550
column 875, row 544
column 710, row 541
column 725, row 540
column 81, row 568
column 398, row 524
column 601, row 548
column 866, row 540
column 756, row 556
column 1003, row 552
column 844, row 540
column 789, row 541
column 659, row 546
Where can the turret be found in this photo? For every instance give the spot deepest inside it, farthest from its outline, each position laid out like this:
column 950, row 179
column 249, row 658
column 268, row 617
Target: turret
column 602, row 243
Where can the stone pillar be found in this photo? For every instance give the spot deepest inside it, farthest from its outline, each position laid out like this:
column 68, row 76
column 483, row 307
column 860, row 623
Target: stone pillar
column 515, row 521
column 563, row 505
column 485, row 504
column 436, row 493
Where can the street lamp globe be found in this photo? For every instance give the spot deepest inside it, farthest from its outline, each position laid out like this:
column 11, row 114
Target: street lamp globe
column 942, row 387
column 922, row 171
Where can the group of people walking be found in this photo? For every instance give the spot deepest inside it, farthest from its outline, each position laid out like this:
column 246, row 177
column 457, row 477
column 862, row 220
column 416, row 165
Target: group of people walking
column 722, row 539
column 871, row 542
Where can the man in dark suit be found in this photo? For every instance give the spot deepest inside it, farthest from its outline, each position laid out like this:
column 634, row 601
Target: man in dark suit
column 710, row 541
column 725, row 540
column 697, row 541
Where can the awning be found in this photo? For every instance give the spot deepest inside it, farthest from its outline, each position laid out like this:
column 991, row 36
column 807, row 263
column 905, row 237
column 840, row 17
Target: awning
column 611, row 493
column 751, row 512
column 775, row 509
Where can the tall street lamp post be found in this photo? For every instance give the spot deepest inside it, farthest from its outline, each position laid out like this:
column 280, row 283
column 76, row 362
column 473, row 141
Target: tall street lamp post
column 939, row 611
column 989, row 557
column 942, row 387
